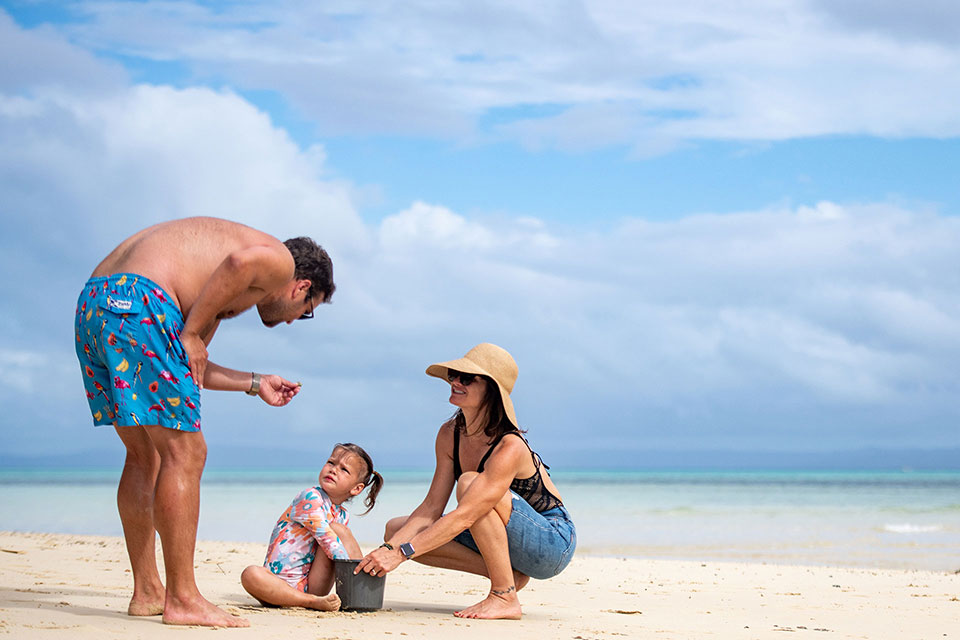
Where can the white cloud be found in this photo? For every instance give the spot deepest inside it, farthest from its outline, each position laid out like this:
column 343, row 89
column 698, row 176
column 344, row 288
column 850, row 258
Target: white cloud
column 918, row 21
column 825, row 307
column 429, row 226
column 124, row 160
column 41, row 57
column 780, row 291
column 691, row 331
column 649, row 76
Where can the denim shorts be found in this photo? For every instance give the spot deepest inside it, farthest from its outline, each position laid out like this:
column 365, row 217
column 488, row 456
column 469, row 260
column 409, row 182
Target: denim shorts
column 541, row 544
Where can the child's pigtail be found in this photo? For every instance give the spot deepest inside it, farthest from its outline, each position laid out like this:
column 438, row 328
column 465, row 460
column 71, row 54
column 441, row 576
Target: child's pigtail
column 376, row 483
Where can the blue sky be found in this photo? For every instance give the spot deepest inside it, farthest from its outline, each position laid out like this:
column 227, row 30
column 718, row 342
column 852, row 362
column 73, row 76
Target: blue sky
column 699, row 228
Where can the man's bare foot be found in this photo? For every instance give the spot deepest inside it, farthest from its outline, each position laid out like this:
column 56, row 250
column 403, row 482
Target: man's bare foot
column 499, row 605
column 325, row 603
column 145, row 607
column 198, row 611
column 147, row 601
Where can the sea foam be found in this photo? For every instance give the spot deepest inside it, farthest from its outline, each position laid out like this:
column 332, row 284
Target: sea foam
column 912, row 528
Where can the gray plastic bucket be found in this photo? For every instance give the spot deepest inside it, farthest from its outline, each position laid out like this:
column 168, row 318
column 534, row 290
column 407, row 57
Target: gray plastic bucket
column 361, row 592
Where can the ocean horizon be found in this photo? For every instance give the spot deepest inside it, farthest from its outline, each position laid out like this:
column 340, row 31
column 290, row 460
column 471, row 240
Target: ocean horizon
column 892, row 519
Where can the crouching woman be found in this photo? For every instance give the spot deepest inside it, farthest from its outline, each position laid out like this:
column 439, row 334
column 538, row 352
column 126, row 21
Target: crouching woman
column 510, row 524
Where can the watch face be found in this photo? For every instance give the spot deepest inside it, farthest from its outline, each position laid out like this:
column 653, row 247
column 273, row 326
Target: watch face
column 406, row 549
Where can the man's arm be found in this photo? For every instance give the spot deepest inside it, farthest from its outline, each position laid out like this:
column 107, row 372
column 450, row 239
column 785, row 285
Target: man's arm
column 261, row 268
column 274, row 390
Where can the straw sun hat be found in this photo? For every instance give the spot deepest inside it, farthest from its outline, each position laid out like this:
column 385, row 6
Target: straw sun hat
column 487, row 360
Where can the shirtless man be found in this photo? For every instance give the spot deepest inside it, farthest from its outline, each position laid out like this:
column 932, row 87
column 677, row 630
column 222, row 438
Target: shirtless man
column 144, row 321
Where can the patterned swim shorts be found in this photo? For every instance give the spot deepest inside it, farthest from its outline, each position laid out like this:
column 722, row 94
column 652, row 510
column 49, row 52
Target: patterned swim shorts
column 135, row 370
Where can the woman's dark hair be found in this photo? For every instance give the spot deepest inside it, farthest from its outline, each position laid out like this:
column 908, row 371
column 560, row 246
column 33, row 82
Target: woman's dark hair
column 497, row 422
column 312, row 263
column 371, row 479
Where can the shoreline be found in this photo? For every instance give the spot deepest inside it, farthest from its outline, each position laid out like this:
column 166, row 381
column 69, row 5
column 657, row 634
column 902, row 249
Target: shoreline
column 59, row 585
column 923, row 560
column 898, row 522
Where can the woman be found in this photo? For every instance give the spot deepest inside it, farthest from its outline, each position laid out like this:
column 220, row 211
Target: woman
column 510, row 523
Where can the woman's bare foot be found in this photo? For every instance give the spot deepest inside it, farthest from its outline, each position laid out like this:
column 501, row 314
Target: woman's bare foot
column 325, row 603
column 499, row 605
column 520, row 579
column 198, row 611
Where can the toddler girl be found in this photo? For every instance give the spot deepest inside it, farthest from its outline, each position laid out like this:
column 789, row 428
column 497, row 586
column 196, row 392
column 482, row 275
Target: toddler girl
column 294, row 574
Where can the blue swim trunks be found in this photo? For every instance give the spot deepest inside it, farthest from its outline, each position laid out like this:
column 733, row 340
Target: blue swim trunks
column 134, row 367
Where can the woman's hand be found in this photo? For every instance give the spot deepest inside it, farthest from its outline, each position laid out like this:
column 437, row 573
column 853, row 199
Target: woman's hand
column 380, row 562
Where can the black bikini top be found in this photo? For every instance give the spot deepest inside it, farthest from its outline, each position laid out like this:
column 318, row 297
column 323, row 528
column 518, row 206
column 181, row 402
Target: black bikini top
column 530, row 489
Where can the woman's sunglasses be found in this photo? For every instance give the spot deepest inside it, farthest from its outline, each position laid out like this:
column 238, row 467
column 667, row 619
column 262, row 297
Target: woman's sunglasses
column 466, row 379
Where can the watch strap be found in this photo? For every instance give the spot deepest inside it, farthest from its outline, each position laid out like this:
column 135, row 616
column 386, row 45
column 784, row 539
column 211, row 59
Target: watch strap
column 254, row 385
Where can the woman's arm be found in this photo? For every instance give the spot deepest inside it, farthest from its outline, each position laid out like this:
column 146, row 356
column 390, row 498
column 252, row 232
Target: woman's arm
column 482, row 496
column 430, row 510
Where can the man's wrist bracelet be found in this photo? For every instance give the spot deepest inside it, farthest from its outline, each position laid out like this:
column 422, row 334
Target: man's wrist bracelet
column 254, row 385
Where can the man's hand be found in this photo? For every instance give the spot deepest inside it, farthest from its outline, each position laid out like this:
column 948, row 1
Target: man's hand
column 380, row 562
column 196, row 351
column 276, row 391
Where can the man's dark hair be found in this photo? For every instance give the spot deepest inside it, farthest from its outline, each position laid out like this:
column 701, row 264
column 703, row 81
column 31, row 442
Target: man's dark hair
column 313, row 264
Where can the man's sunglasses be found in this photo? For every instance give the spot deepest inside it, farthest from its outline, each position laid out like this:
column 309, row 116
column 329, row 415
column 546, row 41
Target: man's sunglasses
column 466, row 379
column 309, row 314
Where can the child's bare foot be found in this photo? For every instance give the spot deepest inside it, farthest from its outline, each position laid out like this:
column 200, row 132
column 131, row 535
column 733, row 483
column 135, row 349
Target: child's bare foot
column 325, row 603
column 499, row 605
column 198, row 611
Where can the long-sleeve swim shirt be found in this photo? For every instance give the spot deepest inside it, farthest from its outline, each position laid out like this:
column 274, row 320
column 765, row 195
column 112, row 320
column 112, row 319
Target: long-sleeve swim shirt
column 303, row 527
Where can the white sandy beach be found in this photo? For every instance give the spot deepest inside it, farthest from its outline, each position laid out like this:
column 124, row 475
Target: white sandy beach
column 55, row 585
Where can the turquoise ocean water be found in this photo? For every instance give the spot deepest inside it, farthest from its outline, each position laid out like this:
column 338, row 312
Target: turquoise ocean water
column 894, row 520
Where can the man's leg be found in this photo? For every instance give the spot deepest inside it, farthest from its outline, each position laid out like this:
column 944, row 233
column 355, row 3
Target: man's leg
column 176, row 510
column 135, row 503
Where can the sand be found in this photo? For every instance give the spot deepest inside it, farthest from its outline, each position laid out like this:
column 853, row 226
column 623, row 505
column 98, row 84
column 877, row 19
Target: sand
column 54, row 585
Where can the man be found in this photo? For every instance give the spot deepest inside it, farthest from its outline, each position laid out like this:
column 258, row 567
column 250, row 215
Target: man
column 144, row 321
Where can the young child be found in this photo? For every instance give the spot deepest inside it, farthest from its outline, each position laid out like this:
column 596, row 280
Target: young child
column 294, row 573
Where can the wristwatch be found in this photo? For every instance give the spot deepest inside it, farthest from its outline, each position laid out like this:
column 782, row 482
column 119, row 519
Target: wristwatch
column 407, row 550
column 254, row 385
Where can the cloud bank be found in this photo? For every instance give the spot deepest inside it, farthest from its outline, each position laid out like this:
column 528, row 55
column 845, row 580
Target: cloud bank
column 569, row 75
column 827, row 325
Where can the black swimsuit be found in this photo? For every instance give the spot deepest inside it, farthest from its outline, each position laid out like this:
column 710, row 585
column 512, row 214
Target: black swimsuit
column 530, row 489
